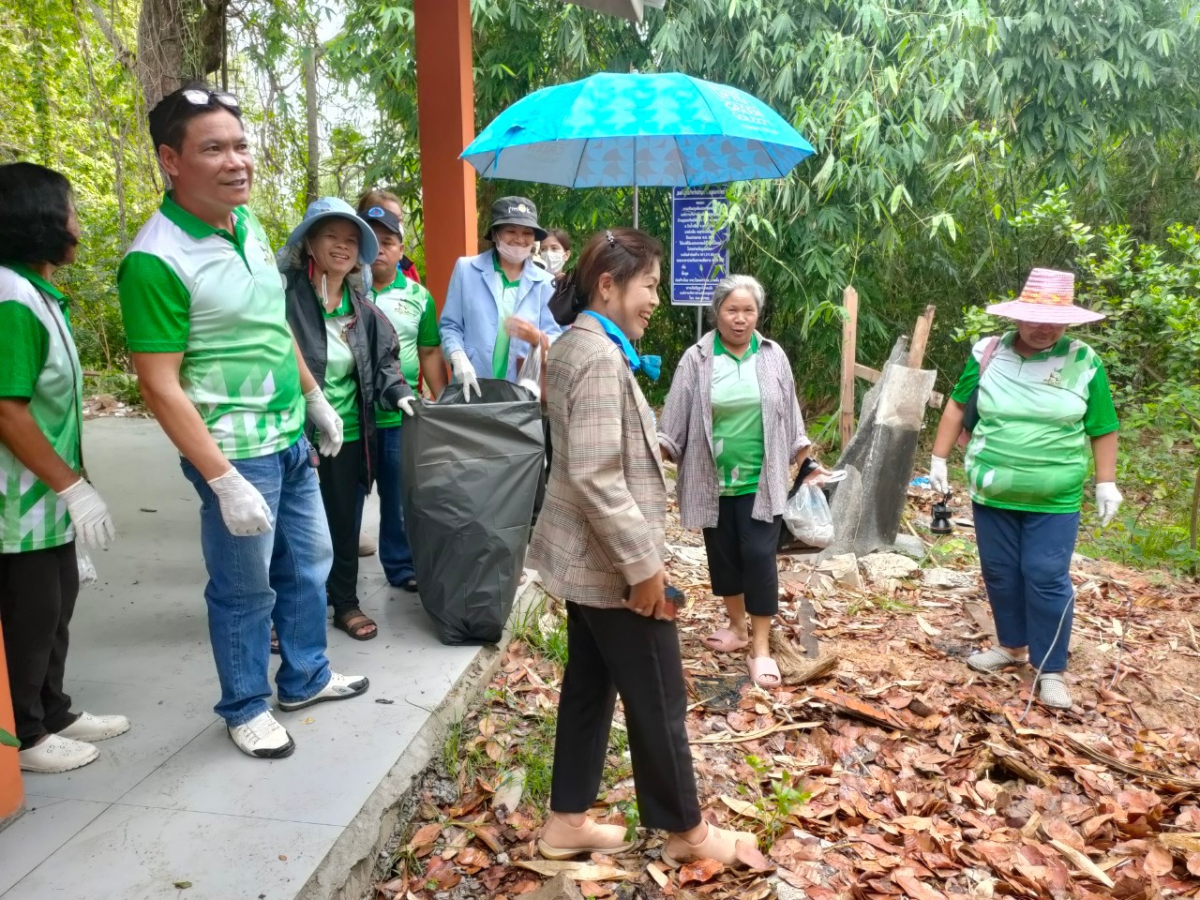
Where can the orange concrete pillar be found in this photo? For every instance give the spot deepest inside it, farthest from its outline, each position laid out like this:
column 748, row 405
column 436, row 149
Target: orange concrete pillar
column 11, row 793
column 446, row 116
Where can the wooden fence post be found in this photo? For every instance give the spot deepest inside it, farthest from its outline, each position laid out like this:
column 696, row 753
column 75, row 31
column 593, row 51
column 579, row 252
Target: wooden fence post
column 849, row 358
column 916, row 350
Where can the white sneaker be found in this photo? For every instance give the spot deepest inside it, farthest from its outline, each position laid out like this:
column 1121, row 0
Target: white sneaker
column 340, row 687
column 95, row 728
column 263, row 737
column 57, row 754
column 367, row 545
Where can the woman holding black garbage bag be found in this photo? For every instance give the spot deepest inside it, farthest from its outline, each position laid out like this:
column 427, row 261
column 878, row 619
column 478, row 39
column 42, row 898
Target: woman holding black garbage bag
column 599, row 546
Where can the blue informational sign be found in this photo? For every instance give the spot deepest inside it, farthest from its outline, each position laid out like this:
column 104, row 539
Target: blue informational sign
column 699, row 255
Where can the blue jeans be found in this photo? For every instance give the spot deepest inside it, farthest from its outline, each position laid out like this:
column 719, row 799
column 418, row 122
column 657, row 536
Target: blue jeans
column 1026, row 562
column 277, row 577
column 395, row 553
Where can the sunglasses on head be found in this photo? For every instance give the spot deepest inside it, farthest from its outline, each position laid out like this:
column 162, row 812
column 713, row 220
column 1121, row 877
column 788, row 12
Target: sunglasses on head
column 202, row 97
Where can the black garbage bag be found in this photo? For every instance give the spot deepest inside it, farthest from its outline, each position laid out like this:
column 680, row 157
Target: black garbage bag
column 470, row 474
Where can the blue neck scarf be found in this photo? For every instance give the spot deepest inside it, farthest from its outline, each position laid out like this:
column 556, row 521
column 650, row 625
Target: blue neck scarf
column 650, row 366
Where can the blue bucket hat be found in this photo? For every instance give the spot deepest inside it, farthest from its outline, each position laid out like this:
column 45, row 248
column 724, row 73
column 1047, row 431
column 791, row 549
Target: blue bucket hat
column 334, row 208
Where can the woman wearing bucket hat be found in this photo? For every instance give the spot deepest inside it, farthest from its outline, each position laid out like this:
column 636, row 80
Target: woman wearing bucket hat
column 1033, row 401
column 350, row 348
column 497, row 305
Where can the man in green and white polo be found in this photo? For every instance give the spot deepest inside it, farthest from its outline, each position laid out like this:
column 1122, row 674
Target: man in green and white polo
column 46, row 502
column 204, row 314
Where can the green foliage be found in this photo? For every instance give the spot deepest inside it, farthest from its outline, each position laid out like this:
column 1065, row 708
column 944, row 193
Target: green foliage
column 782, row 796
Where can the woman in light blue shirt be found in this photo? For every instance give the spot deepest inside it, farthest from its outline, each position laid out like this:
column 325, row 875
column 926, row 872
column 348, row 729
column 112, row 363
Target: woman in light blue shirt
column 497, row 303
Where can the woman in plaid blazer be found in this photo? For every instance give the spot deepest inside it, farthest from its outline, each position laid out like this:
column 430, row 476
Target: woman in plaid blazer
column 599, row 546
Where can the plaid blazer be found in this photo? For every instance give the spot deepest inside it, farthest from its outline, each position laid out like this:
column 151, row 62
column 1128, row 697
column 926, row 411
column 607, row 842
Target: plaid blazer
column 686, row 432
column 601, row 527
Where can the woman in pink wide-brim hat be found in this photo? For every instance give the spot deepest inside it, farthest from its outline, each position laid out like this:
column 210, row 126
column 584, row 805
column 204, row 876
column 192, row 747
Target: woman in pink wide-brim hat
column 1039, row 413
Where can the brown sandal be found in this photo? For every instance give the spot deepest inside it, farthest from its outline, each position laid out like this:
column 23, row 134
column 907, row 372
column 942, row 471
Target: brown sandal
column 355, row 623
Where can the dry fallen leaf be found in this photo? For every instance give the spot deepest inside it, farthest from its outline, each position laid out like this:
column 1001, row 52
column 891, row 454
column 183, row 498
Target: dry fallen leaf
column 425, row 836
column 660, row 877
column 744, row 808
column 752, row 857
column 700, row 871
column 1158, row 862
column 472, row 860
column 575, row 871
column 926, row 627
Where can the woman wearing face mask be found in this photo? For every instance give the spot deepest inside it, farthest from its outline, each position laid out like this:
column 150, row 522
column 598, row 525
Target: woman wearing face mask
column 599, row 546
column 733, row 424
column 350, row 348
column 496, row 306
column 1043, row 414
column 555, row 252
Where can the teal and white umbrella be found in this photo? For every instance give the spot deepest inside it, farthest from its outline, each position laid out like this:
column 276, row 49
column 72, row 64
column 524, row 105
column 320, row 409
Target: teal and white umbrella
column 612, row 130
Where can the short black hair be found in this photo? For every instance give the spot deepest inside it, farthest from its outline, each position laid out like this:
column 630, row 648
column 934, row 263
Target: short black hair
column 170, row 116
column 35, row 205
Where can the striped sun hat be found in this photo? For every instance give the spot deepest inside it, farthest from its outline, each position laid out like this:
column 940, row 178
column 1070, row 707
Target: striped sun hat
column 1047, row 297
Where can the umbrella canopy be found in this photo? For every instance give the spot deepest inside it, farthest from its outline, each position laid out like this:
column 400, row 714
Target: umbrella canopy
column 628, row 9
column 613, row 130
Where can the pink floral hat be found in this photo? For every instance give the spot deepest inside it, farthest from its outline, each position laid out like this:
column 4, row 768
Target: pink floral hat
column 1047, row 297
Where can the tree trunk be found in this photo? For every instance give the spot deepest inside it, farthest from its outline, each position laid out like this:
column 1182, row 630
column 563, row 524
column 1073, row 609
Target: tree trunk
column 312, row 178
column 178, row 41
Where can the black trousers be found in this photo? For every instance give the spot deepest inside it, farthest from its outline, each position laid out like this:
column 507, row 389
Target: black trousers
column 37, row 598
column 340, row 477
column 741, row 555
column 539, row 497
column 611, row 652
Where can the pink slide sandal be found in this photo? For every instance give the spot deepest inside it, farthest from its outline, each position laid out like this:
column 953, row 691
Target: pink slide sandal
column 725, row 641
column 765, row 673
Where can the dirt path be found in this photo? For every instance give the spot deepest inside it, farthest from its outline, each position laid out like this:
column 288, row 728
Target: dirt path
column 900, row 773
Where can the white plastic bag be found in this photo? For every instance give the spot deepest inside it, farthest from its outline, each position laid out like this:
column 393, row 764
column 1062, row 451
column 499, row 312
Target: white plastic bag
column 87, row 570
column 808, row 518
column 530, row 375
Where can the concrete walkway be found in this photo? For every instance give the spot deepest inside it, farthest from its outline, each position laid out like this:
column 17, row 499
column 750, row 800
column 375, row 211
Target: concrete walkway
column 173, row 800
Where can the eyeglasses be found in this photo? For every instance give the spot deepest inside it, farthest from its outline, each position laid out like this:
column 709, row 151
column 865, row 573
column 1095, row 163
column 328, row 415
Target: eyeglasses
column 200, row 97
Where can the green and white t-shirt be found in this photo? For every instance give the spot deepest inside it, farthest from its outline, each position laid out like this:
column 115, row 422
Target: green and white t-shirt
column 504, row 310
column 217, row 297
column 1031, row 449
column 39, row 365
column 341, row 372
column 411, row 310
column 737, row 427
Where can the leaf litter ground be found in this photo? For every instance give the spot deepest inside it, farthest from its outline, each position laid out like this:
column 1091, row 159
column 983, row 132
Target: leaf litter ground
column 883, row 768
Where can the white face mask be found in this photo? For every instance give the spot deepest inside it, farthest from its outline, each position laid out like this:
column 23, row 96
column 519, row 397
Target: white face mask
column 513, row 253
column 554, row 259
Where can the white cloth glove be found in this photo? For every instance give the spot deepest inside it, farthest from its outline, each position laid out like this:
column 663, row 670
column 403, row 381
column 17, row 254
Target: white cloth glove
column 242, row 507
column 939, row 478
column 1108, row 501
column 327, row 422
column 85, row 567
column 464, row 372
column 89, row 514
column 406, row 406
